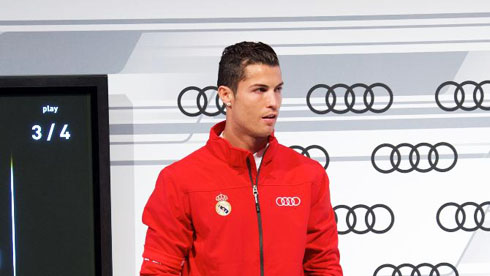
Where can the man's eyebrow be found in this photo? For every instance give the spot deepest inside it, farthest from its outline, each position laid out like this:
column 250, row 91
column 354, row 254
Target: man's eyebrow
column 265, row 85
column 259, row 84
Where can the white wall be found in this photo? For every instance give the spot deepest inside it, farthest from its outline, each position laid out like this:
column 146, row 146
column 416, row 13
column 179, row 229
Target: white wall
column 153, row 49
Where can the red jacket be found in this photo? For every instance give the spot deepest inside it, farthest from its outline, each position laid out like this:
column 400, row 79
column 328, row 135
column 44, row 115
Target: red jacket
column 213, row 213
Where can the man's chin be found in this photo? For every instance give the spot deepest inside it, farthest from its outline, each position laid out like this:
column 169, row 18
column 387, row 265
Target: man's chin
column 264, row 134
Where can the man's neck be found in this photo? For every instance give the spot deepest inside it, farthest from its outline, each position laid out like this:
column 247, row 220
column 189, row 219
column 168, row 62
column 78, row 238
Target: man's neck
column 249, row 143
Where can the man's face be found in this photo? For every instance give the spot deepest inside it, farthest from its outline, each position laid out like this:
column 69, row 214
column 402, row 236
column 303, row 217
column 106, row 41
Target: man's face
column 256, row 103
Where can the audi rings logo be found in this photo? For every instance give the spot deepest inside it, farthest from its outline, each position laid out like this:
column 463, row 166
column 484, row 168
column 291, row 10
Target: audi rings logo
column 350, row 97
column 467, row 96
column 202, row 103
column 468, row 216
column 288, row 201
column 424, row 269
column 378, row 219
column 324, row 157
column 422, row 157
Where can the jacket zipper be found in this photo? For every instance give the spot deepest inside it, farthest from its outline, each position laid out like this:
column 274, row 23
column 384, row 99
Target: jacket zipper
column 257, row 209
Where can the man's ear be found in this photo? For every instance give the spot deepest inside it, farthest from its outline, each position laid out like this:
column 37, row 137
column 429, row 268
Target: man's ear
column 226, row 95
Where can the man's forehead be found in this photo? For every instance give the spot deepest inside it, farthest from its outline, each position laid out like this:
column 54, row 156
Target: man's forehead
column 257, row 70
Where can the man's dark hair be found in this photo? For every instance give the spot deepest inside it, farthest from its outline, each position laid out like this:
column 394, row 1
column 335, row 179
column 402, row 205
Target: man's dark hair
column 236, row 57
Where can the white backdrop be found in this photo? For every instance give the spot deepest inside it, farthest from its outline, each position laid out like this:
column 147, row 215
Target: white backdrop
column 153, row 50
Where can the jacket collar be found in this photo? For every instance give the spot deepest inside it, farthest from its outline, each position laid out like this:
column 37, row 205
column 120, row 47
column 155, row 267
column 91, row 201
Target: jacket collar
column 234, row 156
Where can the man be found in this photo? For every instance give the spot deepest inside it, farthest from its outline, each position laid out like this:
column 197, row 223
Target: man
column 243, row 204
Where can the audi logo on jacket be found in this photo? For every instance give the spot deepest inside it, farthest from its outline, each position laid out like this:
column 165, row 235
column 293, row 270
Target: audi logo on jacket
column 215, row 213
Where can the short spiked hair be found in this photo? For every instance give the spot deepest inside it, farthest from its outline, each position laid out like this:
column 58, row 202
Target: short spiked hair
column 238, row 56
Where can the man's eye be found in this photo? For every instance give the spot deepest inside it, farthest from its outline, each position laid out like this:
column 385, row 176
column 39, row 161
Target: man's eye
column 279, row 89
column 261, row 89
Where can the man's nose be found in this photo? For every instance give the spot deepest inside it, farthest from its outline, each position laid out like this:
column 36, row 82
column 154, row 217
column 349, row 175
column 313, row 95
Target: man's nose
column 272, row 100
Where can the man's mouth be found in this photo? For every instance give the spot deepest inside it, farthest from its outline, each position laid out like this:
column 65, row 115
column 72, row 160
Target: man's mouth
column 270, row 116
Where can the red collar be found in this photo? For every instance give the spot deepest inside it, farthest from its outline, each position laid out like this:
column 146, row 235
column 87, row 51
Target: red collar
column 234, row 156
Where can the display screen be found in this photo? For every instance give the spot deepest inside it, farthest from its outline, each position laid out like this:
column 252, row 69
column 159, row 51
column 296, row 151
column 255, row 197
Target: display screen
column 47, row 216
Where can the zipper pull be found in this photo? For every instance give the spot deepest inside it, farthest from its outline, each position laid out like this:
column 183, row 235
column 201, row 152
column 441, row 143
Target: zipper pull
column 256, row 196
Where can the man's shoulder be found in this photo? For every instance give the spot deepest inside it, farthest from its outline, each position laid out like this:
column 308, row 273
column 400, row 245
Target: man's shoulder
column 293, row 158
column 192, row 171
column 194, row 159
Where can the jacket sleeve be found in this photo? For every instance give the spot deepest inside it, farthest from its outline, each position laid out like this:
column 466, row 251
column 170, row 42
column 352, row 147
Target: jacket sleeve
column 169, row 234
column 322, row 253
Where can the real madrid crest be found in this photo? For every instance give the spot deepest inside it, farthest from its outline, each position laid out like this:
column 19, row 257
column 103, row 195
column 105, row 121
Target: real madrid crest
column 223, row 207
